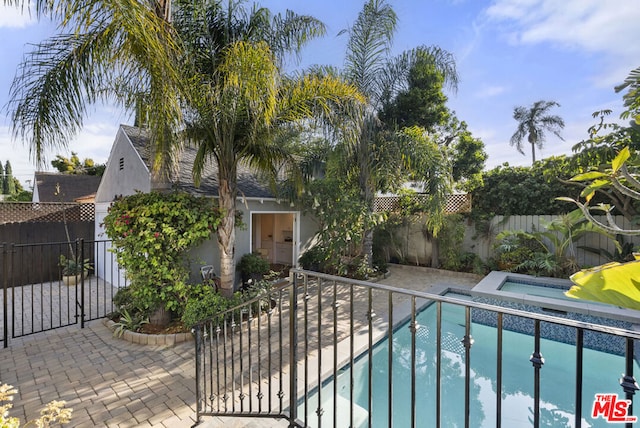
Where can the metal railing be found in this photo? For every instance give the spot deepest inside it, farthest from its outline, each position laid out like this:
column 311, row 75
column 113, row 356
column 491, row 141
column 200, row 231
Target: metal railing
column 37, row 297
column 305, row 350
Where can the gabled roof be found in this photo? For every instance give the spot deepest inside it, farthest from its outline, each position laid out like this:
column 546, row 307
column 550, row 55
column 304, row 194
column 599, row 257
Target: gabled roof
column 249, row 185
column 57, row 187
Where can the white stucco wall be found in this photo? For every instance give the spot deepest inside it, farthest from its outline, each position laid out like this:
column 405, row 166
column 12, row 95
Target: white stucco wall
column 126, row 173
column 123, row 178
column 208, row 253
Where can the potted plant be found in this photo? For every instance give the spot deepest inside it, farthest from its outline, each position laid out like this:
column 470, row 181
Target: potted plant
column 72, row 269
column 252, row 267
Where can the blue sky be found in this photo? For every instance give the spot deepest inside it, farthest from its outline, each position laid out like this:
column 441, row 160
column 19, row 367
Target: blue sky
column 509, row 53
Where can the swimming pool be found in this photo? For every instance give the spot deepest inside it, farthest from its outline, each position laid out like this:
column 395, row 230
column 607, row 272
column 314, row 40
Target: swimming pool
column 557, row 379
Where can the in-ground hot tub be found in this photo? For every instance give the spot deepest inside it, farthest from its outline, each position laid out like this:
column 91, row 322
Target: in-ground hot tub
column 546, row 295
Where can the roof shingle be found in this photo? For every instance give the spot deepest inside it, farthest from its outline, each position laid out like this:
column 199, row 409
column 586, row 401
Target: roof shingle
column 249, row 185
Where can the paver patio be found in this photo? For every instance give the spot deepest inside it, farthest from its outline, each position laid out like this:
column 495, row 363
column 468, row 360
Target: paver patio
column 113, row 383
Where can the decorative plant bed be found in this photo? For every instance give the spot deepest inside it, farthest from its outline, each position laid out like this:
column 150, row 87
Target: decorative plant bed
column 150, row 339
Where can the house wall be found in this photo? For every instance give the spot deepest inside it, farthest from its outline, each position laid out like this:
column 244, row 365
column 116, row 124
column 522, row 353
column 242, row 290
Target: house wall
column 122, row 179
column 131, row 175
column 106, row 266
column 35, row 196
column 208, row 253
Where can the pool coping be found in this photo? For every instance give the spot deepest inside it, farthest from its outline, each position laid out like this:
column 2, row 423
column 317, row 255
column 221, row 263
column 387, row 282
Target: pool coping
column 489, row 287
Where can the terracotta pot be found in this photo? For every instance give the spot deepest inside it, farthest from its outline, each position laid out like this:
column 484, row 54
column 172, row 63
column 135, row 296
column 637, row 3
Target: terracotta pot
column 71, row 280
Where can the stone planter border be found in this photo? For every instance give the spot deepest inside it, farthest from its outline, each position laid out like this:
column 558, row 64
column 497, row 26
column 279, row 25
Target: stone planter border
column 150, row 339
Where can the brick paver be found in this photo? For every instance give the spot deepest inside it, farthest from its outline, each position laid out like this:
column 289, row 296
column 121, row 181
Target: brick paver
column 113, row 383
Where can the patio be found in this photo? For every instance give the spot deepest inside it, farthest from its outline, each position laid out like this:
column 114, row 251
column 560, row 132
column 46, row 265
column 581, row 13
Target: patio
column 110, row 382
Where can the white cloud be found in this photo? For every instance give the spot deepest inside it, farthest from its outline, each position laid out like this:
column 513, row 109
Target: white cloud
column 490, row 91
column 606, row 28
column 15, row 17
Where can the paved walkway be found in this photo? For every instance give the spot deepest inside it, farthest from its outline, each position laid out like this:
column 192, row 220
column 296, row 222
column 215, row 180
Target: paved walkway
column 112, row 383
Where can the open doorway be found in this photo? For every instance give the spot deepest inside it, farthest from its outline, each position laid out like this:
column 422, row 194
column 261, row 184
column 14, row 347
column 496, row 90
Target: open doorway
column 273, row 235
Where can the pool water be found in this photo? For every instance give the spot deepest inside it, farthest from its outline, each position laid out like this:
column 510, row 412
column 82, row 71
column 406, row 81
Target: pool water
column 539, row 290
column 602, row 372
column 535, row 290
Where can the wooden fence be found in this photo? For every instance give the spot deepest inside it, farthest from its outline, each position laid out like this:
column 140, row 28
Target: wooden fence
column 51, row 226
column 481, row 243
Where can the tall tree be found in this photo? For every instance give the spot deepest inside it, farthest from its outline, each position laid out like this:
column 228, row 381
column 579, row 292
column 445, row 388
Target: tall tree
column 73, row 165
column 422, row 103
column 466, row 152
column 9, row 185
column 533, row 122
column 104, row 51
column 240, row 98
column 2, row 178
column 381, row 78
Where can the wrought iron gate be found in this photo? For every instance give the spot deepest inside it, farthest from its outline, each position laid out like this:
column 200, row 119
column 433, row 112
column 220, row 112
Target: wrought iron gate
column 37, row 297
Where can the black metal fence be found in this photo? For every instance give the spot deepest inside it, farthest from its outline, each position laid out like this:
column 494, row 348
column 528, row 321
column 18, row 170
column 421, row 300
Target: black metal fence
column 38, row 294
column 327, row 351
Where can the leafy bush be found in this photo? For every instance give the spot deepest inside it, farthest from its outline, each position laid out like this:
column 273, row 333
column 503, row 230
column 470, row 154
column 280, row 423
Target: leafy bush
column 358, row 268
column 314, row 259
column 450, row 241
column 471, row 262
column 342, row 218
column 152, row 233
column 70, row 267
column 513, row 248
column 129, row 322
column 206, row 307
column 124, row 301
column 252, row 263
column 260, row 288
column 379, row 262
column 525, row 190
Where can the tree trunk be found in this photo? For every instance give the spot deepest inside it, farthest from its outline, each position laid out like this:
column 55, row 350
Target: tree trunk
column 533, row 153
column 368, row 195
column 532, row 141
column 227, row 231
column 435, row 253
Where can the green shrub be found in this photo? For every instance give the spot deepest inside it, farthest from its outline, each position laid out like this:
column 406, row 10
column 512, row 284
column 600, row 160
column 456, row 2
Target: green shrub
column 123, row 301
column 450, row 240
column 358, row 268
column 261, row 287
column 314, row 259
column 471, row 262
column 252, row 263
column 207, row 306
column 132, row 322
column 152, row 233
column 514, row 248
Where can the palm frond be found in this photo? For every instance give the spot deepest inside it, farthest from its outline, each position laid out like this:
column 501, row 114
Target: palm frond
column 53, row 86
column 370, row 40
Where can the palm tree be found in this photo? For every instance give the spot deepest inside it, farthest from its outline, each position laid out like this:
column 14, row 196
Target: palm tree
column 533, row 122
column 105, row 51
column 240, row 98
column 220, row 66
column 380, row 77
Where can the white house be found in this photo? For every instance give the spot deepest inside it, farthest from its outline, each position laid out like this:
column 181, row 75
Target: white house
column 278, row 230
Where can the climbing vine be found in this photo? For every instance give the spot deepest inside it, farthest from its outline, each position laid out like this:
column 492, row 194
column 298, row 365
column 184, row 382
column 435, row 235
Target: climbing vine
column 151, row 233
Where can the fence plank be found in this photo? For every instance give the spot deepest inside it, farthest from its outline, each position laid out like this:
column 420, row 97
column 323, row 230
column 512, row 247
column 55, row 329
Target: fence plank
column 534, row 223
